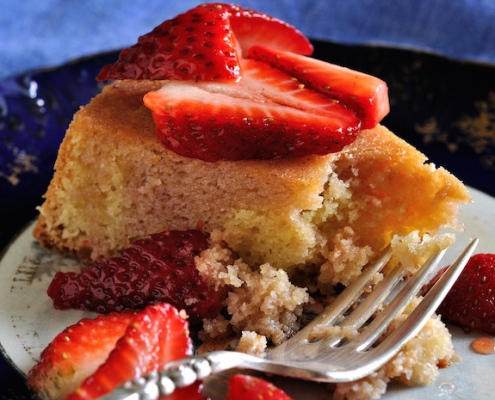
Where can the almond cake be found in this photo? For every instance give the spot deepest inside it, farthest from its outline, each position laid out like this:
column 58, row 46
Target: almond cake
column 283, row 229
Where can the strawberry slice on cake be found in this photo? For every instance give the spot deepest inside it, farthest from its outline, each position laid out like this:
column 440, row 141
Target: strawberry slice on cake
column 366, row 95
column 204, row 43
column 218, row 104
column 266, row 115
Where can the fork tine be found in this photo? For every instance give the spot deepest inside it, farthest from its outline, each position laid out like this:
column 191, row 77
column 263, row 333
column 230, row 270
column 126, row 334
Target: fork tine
column 350, row 294
column 362, row 362
column 366, row 308
column 430, row 302
column 399, row 302
column 335, row 310
column 379, row 293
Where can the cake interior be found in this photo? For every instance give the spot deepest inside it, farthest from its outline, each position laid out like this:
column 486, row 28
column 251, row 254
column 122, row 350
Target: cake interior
column 115, row 183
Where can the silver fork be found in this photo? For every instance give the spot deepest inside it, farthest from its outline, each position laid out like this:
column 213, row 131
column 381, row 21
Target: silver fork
column 333, row 358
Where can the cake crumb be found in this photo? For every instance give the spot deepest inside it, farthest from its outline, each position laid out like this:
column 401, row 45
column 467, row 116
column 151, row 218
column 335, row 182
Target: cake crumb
column 252, row 343
column 215, row 328
column 321, row 331
column 413, row 249
column 262, row 300
column 266, row 303
column 183, row 314
column 346, row 260
column 369, row 388
column 416, row 364
column 214, row 263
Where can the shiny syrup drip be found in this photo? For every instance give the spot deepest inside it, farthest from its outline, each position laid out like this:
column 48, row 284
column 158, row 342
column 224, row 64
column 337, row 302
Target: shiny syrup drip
column 483, row 345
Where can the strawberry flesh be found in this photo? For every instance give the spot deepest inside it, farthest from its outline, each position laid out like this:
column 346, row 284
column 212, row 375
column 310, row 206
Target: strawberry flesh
column 158, row 268
column 204, row 43
column 95, row 356
column 471, row 300
column 156, row 336
column 255, row 28
column 365, row 94
column 247, row 387
column 266, row 115
column 76, row 353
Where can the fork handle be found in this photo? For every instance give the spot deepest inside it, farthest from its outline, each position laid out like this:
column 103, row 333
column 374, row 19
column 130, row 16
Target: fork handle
column 181, row 373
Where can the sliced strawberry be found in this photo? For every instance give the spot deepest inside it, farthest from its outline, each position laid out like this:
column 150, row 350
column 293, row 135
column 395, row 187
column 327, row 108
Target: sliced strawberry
column 365, row 94
column 159, row 268
column 202, row 44
column 255, row 28
column 197, row 44
column 247, row 387
column 93, row 357
column 76, row 353
column 156, row 336
column 266, row 115
column 471, row 301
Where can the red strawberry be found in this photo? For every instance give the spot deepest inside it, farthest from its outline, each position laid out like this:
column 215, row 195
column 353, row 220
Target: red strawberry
column 92, row 357
column 471, row 301
column 76, row 353
column 365, row 94
column 265, row 115
column 247, row 387
column 254, row 28
column 202, row 44
column 159, row 268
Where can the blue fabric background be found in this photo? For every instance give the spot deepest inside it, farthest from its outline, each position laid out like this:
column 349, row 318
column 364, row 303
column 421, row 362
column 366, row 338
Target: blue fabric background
column 39, row 33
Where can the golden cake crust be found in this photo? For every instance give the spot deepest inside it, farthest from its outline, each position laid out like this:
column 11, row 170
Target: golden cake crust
column 115, row 183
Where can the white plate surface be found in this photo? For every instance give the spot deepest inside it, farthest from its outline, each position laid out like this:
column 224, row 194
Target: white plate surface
column 28, row 321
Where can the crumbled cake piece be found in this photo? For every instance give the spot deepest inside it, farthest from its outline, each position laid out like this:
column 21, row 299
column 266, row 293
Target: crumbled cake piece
column 417, row 363
column 262, row 300
column 252, row 343
column 258, row 306
column 264, row 304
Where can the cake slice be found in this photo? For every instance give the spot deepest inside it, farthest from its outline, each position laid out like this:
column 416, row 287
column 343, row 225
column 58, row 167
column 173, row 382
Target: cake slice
column 258, row 143
column 319, row 218
column 115, row 183
column 279, row 157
